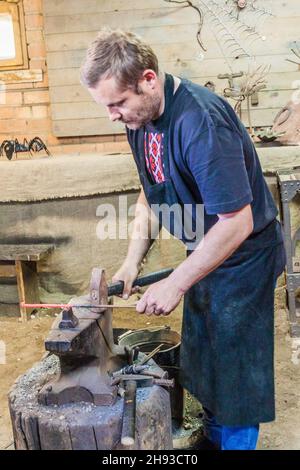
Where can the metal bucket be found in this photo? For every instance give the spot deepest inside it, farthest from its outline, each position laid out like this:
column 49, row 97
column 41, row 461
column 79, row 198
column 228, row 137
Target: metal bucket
column 167, row 358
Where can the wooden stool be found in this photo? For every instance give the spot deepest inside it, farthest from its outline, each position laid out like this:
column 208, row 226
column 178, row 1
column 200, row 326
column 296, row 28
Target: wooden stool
column 20, row 262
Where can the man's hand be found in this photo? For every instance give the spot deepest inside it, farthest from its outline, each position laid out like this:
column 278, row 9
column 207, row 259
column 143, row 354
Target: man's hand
column 160, row 298
column 127, row 273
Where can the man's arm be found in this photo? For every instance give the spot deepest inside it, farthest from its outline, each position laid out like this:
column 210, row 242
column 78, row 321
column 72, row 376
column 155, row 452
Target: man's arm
column 140, row 238
column 221, row 241
column 217, row 245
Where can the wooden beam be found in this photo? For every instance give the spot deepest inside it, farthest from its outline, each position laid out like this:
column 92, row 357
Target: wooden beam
column 21, row 289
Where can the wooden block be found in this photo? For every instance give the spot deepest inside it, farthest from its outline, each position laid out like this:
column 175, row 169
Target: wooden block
column 27, row 282
column 34, row 252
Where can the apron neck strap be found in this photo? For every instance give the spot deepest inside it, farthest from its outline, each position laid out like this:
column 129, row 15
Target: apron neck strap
column 162, row 122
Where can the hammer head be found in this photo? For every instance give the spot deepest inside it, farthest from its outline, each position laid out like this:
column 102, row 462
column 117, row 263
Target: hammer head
column 98, row 290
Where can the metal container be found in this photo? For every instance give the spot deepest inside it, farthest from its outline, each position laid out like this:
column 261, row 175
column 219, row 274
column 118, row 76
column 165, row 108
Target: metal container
column 167, row 358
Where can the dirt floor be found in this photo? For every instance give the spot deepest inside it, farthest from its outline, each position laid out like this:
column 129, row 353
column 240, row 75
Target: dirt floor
column 24, row 346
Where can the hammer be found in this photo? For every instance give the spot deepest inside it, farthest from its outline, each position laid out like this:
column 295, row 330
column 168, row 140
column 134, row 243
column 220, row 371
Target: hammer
column 116, row 288
column 131, row 383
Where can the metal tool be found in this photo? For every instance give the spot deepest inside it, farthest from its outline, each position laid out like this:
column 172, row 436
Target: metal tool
column 131, row 383
column 70, row 306
column 150, row 355
column 139, row 370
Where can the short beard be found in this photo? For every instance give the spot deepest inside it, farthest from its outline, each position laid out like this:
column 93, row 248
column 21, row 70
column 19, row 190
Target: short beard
column 151, row 107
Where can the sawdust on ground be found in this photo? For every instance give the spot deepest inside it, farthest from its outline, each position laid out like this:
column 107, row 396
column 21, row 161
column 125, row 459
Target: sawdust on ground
column 25, row 345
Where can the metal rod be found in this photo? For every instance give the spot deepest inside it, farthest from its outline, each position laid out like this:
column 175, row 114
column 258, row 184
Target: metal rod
column 68, row 306
column 151, row 354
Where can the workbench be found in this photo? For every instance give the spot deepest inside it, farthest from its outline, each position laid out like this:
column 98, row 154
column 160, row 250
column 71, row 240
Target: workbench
column 20, row 262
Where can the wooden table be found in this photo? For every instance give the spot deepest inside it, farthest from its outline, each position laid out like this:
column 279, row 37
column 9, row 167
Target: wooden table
column 20, row 262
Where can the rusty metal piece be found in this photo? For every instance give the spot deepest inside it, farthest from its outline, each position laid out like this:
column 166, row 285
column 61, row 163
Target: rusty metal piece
column 150, row 355
column 230, row 77
column 144, row 380
column 98, row 290
column 138, row 369
column 131, row 369
column 69, row 320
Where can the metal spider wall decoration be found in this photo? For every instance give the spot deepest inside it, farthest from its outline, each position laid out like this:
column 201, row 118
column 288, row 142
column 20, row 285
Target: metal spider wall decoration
column 9, row 147
column 233, row 34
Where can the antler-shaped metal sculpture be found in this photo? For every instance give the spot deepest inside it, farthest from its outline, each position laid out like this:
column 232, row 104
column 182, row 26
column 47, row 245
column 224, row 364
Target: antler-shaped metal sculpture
column 252, row 82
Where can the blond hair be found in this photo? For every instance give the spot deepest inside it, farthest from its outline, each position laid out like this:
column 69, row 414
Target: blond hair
column 118, row 54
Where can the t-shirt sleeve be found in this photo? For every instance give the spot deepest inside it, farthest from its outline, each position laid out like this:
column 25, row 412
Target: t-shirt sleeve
column 216, row 161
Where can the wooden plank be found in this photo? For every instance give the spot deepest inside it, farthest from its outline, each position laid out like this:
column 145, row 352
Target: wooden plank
column 31, row 286
column 184, row 49
column 31, row 431
column 276, row 81
column 69, row 94
column 89, row 109
column 21, row 289
column 165, row 38
column 260, row 117
column 101, row 126
column 78, row 94
column 83, row 438
column 148, row 18
column 188, row 68
column 18, row 432
column 50, row 439
column 271, row 99
column 7, row 270
column 171, row 31
column 62, row 7
column 82, row 110
column 25, row 252
column 90, row 21
column 180, row 39
column 277, row 38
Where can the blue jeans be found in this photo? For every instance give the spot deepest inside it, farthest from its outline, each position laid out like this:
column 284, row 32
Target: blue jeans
column 229, row 437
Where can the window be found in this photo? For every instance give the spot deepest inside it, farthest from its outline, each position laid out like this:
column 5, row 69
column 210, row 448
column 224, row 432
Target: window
column 13, row 50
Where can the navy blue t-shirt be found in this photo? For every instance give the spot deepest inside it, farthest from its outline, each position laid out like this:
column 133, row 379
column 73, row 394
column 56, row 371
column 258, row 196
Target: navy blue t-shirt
column 212, row 158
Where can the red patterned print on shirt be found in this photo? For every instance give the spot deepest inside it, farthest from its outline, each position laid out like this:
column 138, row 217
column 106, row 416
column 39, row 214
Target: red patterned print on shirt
column 154, row 149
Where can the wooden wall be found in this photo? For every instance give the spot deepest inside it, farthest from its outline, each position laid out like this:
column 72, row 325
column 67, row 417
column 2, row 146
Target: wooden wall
column 71, row 25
